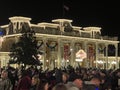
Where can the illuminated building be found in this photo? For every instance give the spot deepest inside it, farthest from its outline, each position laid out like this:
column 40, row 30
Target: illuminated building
column 60, row 42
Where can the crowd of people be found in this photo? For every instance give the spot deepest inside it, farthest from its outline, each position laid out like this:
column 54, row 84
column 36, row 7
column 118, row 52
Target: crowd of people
column 64, row 78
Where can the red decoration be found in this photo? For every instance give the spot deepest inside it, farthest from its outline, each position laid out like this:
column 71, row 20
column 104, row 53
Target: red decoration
column 66, row 51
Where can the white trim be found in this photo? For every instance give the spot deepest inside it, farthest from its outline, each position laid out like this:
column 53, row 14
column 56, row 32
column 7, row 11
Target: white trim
column 61, row 20
column 4, row 26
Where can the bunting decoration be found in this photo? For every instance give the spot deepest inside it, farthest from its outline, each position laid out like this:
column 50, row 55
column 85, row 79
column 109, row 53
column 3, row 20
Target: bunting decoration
column 52, row 45
column 40, row 43
column 91, row 52
column 66, row 51
column 101, row 49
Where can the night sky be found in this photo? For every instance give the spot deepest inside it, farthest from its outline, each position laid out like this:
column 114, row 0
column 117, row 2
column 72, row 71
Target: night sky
column 104, row 14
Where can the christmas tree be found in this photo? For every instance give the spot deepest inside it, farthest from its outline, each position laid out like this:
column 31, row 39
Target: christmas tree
column 25, row 50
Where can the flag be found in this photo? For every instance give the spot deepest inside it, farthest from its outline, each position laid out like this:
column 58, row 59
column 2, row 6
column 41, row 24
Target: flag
column 66, row 7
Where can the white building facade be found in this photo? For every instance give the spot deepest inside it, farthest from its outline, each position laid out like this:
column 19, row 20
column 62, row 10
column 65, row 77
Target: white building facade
column 60, row 41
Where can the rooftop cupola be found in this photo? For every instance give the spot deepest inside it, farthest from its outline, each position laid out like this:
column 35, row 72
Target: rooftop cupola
column 19, row 19
column 93, row 30
column 17, row 23
column 64, row 24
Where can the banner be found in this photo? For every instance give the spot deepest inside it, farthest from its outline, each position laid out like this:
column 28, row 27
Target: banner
column 66, row 51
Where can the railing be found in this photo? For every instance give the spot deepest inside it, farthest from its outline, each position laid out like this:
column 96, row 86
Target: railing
column 110, row 38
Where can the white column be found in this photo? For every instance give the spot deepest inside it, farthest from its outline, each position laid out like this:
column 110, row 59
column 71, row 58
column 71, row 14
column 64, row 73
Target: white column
column 116, row 55
column 59, row 53
column 80, row 32
column 61, row 27
column 106, row 45
column 72, row 53
column 93, row 34
column 86, row 60
column 1, row 41
column 44, row 57
column 96, row 54
column 104, row 59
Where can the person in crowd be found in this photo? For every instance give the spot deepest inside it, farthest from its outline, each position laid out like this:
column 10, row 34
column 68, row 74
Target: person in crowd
column 24, row 82
column 94, row 84
column 65, row 77
column 71, row 86
column 79, row 83
column 44, row 84
column 60, row 86
column 116, row 80
column 75, row 82
column 58, row 75
column 5, row 82
column 35, row 83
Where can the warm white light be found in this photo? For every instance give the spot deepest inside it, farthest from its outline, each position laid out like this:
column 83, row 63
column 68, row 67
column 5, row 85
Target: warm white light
column 80, row 55
column 67, row 60
column 1, row 40
column 113, row 62
column 39, row 56
column 71, row 49
column 79, row 60
column 55, row 60
column 100, row 62
column 41, row 60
